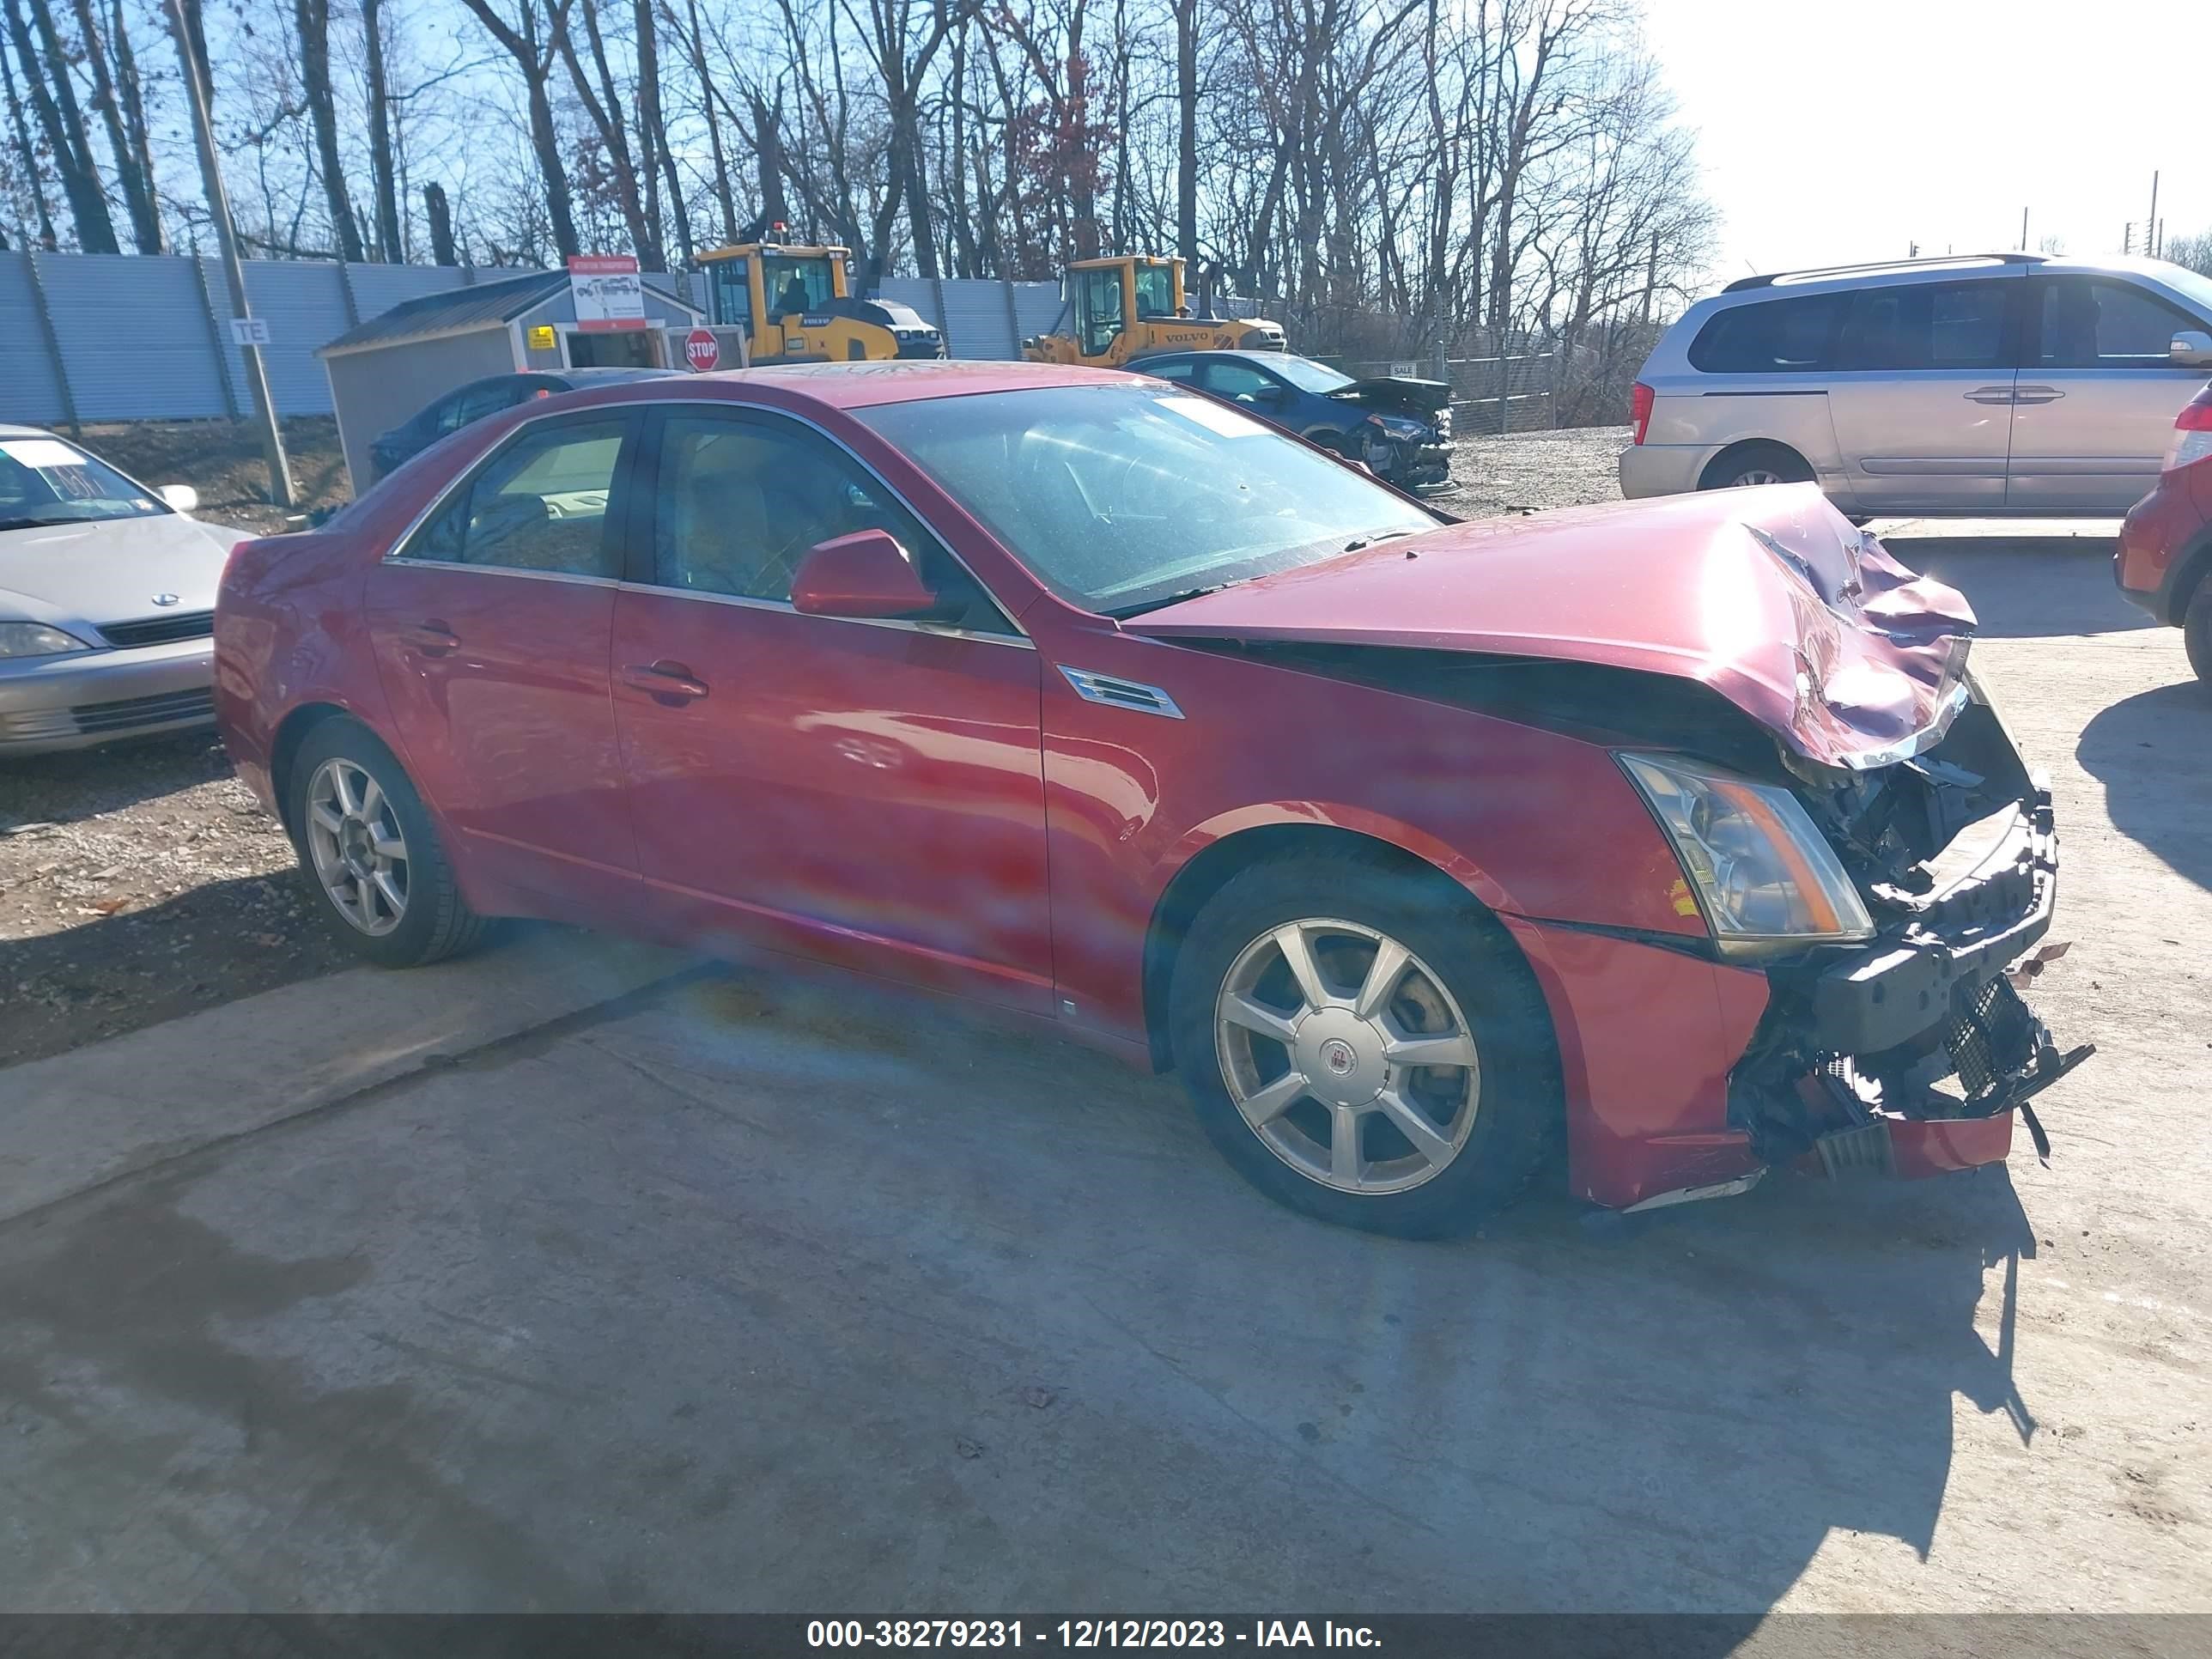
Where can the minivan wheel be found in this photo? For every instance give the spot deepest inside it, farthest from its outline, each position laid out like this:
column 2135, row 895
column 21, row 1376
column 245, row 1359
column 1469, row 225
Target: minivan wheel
column 1362, row 1052
column 1750, row 465
column 2197, row 631
column 370, row 850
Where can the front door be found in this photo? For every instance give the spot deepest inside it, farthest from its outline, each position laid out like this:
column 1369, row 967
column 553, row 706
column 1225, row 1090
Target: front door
column 2097, row 395
column 1098, row 318
column 865, row 793
column 491, row 626
column 1922, row 395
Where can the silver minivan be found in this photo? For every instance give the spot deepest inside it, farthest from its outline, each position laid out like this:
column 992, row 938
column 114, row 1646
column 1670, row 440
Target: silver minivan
column 2000, row 383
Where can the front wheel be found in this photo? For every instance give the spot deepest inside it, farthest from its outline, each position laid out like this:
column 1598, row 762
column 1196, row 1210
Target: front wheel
column 1366, row 1045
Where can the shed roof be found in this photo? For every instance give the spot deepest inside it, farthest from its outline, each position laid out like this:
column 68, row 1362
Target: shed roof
column 484, row 305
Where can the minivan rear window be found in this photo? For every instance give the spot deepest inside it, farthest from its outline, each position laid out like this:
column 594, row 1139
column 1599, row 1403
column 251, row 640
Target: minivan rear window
column 1773, row 336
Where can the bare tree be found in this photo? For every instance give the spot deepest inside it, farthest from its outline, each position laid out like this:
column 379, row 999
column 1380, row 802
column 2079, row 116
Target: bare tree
column 45, row 72
column 532, row 40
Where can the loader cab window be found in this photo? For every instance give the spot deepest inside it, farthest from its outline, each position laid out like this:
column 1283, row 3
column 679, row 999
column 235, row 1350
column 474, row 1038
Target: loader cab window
column 1098, row 309
column 795, row 285
column 1155, row 290
column 731, row 299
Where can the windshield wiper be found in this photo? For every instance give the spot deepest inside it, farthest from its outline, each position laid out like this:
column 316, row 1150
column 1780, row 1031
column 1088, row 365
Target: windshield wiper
column 1128, row 610
column 1358, row 542
column 36, row 524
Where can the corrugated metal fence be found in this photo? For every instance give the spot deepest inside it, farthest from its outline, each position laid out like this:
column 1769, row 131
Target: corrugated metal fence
column 90, row 336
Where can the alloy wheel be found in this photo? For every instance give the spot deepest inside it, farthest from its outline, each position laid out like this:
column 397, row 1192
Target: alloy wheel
column 1757, row 475
column 359, row 851
column 1346, row 1056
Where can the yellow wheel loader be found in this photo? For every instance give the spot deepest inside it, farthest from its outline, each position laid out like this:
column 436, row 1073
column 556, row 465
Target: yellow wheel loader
column 792, row 305
column 1132, row 305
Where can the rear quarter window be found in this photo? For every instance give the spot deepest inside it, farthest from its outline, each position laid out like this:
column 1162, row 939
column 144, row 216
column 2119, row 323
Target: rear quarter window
column 1771, row 336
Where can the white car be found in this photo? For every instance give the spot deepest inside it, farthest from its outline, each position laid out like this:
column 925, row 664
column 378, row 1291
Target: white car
column 106, row 600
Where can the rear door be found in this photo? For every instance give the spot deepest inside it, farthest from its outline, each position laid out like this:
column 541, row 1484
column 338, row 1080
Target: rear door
column 491, row 626
column 2098, row 394
column 1922, row 395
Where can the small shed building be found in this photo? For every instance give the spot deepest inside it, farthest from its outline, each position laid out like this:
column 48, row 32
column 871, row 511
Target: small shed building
column 386, row 368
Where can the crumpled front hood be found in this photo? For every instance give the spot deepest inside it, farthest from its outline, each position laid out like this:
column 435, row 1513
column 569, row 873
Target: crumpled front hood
column 1769, row 596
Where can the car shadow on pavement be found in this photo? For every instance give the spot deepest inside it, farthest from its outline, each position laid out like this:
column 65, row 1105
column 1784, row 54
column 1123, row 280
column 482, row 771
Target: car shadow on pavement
column 2024, row 587
column 776, row 1295
column 2149, row 752
column 82, row 783
column 207, row 945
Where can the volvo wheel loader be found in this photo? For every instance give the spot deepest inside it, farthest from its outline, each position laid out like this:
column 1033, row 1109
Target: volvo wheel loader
column 1129, row 306
column 776, row 302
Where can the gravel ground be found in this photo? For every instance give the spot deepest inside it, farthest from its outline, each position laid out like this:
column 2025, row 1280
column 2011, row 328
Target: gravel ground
column 1528, row 471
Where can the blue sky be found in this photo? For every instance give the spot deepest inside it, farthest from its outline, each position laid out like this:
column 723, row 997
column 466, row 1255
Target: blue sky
column 1841, row 129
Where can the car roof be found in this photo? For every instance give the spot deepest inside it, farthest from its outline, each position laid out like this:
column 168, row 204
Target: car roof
column 7, row 431
column 584, row 377
column 864, row 385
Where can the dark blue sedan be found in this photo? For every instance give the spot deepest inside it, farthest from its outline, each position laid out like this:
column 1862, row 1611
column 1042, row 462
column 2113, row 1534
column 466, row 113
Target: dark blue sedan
column 1400, row 426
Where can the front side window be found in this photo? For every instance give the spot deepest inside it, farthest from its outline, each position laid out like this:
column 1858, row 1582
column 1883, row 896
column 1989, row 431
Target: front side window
column 2085, row 323
column 1771, row 336
column 1155, row 291
column 1238, row 380
column 539, row 504
column 1121, row 498
column 795, row 284
column 730, row 301
column 1098, row 309
column 45, row 480
column 1927, row 326
column 740, row 503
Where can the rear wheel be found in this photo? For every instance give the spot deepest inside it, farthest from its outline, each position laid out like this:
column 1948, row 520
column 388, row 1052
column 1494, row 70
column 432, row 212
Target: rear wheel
column 369, row 847
column 1361, row 1051
column 1750, row 465
column 2196, row 630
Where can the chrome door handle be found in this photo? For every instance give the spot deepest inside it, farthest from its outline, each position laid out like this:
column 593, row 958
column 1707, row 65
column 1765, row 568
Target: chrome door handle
column 2037, row 394
column 432, row 637
column 1990, row 394
column 664, row 682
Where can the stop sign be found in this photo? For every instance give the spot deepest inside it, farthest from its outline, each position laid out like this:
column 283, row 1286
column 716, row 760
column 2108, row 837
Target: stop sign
column 701, row 349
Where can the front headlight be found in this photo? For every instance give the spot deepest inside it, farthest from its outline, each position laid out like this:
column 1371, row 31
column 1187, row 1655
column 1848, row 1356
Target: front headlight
column 26, row 639
column 1767, row 880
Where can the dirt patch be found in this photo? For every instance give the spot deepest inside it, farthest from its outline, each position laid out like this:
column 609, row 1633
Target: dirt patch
column 137, row 884
column 222, row 460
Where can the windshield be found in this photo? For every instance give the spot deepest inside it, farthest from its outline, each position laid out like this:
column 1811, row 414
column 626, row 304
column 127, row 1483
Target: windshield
column 1155, row 290
column 795, row 284
column 2192, row 287
column 1307, row 375
column 1121, row 498
column 45, row 481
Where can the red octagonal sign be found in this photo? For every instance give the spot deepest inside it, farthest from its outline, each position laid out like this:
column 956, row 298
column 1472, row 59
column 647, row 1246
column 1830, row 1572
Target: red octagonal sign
column 701, row 349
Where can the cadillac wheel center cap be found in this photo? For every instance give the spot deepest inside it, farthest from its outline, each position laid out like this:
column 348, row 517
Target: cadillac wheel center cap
column 1337, row 1054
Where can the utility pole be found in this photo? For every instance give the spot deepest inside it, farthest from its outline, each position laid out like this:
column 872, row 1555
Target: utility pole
column 218, row 200
column 2023, row 230
column 2150, row 225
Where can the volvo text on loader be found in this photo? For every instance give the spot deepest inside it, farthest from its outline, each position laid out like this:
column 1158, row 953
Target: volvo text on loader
column 1127, row 307
column 773, row 302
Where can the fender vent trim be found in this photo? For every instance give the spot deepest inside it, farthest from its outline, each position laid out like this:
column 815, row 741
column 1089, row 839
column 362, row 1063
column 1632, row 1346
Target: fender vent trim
column 1131, row 694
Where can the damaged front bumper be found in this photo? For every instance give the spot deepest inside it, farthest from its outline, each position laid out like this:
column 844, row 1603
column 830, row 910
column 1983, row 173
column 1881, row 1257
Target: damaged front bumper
column 1909, row 1056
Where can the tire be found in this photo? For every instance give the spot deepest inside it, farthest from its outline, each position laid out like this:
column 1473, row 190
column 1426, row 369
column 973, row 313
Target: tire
column 1489, row 1126
column 430, row 922
column 1756, row 464
column 2196, row 630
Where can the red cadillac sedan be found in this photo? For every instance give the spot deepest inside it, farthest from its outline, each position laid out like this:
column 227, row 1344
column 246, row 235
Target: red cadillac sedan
column 1675, row 833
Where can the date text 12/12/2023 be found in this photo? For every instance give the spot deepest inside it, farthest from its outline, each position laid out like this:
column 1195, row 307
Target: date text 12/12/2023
column 1081, row 1633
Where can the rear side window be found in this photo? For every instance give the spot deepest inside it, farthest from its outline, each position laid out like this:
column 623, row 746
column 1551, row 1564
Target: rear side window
column 1180, row 369
column 1927, row 326
column 2088, row 323
column 539, row 504
column 1772, row 337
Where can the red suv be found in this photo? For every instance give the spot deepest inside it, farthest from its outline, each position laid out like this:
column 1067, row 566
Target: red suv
column 2166, row 545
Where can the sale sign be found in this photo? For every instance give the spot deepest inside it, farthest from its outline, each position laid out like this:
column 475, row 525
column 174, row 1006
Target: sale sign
column 607, row 292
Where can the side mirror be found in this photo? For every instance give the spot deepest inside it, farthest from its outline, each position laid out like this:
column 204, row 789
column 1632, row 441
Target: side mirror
column 867, row 576
column 1267, row 394
column 185, row 499
column 2191, row 348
